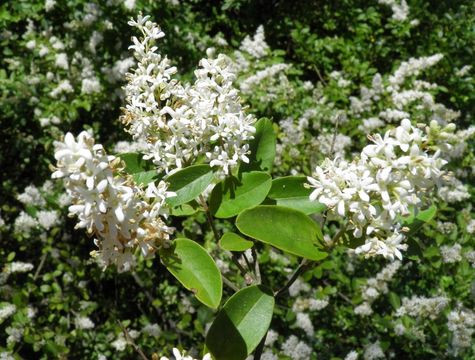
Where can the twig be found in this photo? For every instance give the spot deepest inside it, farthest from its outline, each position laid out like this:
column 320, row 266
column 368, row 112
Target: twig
column 302, row 267
column 229, row 283
column 335, row 130
column 40, row 266
column 319, row 75
column 212, row 225
column 131, row 341
column 344, row 297
column 248, row 263
column 257, row 269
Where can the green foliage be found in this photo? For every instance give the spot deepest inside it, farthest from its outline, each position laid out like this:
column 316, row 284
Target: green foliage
column 189, row 183
column 195, row 270
column 233, row 242
column 286, row 229
column 289, row 191
column 262, row 148
column 235, row 194
column 241, row 323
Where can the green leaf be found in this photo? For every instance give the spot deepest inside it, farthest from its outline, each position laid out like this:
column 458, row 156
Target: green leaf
column 233, row 242
column 185, row 209
column 289, row 191
column 134, row 163
column 145, row 177
column 284, row 228
column 394, row 300
column 194, row 268
column 418, row 218
column 234, row 195
column 189, row 183
column 241, row 323
column 262, row 148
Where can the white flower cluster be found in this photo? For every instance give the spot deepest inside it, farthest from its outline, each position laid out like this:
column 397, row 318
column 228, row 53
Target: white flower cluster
column 461, row 323
column 6, row 310
column 375, row 287
column 83, row 323
column 249, row 84
column 423, row 307
column 258, row 80
column 180, row 122
column 352, row 355
column 110, row 205
column 404, row 96
column 255, row 46
column 178, row 355
column 392, row 174
column 451, row 254
column 400, row 9
column 373, row 351
column 296, row 349
column 17, row 267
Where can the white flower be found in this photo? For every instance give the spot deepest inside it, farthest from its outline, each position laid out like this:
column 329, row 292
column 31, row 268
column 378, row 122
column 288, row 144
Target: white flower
column 180, row 122
column 363, row 309
column 152, row 330
column 47, row 219
column 6, row 310
column 461, row 322
column 109, row 204
column 295, row 349
column 49, row 5
column 31, row 44
column 352, row 355
column 182, row 356
column 451, row 254
column 255, row 46
column 377, row 188
column 18, row 267
column 373, row 352
column 31, row 196
column 24, row 223
column 423, row 307
column 62, row 61
column 83, row 323
column 305, row 323
column 90, row 86
column 120, row 343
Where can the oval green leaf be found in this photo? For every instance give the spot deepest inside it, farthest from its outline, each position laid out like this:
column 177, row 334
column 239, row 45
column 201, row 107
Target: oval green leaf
column 262, row 148
column 234, row 195
column 241, row 324
column 188, row 183
column 418, row 218
column 134, row 163
column 233, row 242
column 284, row 228
column 289, row 191
column 185, row 209
column 194, row 268
column 145, row 177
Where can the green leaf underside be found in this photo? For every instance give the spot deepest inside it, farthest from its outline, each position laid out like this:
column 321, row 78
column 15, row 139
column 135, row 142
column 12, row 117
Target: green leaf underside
column 145, row 177
column 262, row 148
column 289, row 191
column 194, row 268
column 185, row 209
column 234, row 195
column 189, row 183
column 415, row 221
column 134, row 163
column 233, row 242
column 241, row 323
column 286, row 229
